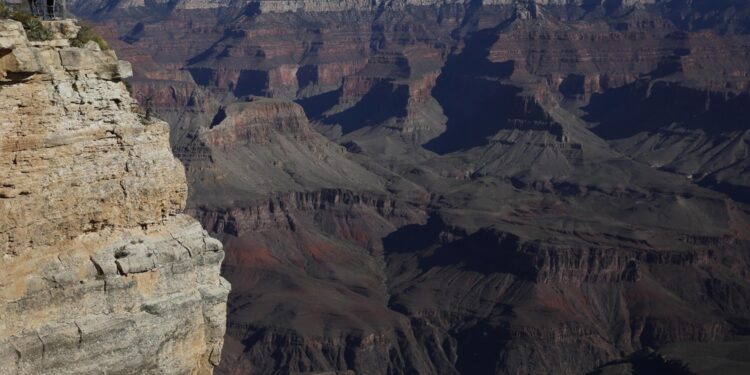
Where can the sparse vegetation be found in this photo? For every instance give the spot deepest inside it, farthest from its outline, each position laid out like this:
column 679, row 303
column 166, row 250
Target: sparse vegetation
column 35, row 30
column 148, row 104
column 88, row 34
column 145, row 108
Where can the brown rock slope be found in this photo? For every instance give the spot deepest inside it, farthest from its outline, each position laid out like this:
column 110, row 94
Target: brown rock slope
column 528, row 186
column 101, row 271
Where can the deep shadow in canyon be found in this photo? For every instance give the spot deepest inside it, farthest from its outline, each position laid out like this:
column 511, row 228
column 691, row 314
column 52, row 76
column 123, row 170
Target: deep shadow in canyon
column 463, row 188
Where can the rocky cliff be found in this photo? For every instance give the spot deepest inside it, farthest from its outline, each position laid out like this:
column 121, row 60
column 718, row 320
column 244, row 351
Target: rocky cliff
column 101, row 271
column 462, row 187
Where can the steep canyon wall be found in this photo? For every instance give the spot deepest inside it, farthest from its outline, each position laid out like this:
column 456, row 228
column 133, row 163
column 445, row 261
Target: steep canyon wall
column 101, row 270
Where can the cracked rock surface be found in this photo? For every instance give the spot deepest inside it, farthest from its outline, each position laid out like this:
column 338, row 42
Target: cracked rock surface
column 101, row 271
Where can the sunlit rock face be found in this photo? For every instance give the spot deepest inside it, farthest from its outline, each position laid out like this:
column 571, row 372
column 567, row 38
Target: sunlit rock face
column 462, row 187
column 101, row 271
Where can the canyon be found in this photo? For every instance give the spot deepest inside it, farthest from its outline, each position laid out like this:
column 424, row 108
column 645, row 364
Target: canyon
column 102, row 272
column 460, row 187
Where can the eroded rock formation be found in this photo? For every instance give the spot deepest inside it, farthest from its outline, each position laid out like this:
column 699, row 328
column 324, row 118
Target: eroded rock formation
column 502, row 187
column 101, row 271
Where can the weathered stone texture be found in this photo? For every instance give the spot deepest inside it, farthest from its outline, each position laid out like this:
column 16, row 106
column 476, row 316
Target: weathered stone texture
column 101, row 271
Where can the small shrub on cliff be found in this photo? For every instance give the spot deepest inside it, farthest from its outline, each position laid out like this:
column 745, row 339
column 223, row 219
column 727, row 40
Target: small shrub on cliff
column 87, row 34
column 144, row 108
column 4, row 11
column 35, row 30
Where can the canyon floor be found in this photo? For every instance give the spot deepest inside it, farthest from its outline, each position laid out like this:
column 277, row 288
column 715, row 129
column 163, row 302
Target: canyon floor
column 444, row 187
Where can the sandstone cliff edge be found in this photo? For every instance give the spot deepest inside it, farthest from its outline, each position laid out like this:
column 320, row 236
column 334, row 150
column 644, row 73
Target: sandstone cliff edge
column 101, row 271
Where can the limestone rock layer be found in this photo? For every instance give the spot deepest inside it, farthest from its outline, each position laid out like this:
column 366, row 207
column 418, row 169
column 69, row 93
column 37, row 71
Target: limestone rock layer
column 100, row 268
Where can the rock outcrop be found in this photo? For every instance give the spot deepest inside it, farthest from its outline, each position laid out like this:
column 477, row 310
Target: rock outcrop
column 478, row 187
column 272, row 148
column 101, row 271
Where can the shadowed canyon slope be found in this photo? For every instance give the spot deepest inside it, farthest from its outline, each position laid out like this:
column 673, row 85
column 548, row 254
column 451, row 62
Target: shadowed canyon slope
column 462, row 187
column 101, row 272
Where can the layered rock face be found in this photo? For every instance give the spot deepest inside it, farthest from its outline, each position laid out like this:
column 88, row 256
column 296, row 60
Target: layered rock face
column 281, row 6
column 101, row 271
column 450, row 187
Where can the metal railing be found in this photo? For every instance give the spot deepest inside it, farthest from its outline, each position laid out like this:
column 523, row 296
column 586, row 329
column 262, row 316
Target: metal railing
column 45, row 9
column 48, row 9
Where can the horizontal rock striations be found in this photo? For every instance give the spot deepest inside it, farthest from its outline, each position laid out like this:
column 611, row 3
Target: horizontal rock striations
column 101, row 271
column 271, row 147
column 281, row 6
column 514, row 187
